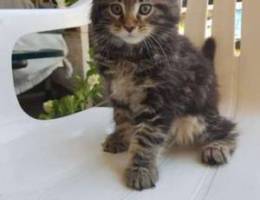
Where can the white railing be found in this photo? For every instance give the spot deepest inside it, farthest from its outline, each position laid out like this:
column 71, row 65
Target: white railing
column 235, row 73
column 223, row 32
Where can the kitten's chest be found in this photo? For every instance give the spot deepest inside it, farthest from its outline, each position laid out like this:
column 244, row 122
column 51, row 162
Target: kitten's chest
column 124, row 89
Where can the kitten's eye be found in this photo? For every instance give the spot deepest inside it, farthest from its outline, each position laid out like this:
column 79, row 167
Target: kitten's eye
column 116, row 9
column 145, row 9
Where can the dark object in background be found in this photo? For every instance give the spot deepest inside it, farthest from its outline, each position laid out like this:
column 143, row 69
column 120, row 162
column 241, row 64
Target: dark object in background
column 32, row 100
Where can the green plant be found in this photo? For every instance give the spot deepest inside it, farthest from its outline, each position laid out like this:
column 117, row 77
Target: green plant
column 87, row 92
column 70, row 2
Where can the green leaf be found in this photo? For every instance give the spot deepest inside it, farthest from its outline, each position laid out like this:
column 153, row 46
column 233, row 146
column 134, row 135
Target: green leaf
column 85, row 94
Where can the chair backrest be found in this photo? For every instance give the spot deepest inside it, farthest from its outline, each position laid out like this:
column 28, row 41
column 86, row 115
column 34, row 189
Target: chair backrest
column 238, row 74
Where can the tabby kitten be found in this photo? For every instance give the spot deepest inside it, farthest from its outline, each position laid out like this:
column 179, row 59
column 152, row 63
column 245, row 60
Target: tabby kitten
column 163, row 90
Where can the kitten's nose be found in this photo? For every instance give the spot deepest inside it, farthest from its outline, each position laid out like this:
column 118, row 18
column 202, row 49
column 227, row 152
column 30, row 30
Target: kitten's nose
column 129, row 28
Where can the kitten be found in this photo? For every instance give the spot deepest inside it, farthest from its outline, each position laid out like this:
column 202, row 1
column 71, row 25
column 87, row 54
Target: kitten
column 162, row 89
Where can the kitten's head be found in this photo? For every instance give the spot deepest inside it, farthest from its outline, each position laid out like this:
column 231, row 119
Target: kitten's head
column 132, row 21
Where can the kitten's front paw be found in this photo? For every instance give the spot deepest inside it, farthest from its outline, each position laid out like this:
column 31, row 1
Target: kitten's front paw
column 114, row 144
column 140, row 178
column 215, row 155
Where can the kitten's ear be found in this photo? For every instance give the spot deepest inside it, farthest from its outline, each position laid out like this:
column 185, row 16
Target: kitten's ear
column 97, row 9
column 176, row 8
column 95, row 13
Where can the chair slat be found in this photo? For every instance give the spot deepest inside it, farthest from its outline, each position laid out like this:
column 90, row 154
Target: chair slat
column 225, row 62
column 249, row 74
column 223, row 26
column 195, row 21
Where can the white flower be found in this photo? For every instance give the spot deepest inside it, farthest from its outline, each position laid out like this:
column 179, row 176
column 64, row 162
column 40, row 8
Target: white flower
column 48, row 106
column 93, row 80
column 87, row 68
column 61, row 3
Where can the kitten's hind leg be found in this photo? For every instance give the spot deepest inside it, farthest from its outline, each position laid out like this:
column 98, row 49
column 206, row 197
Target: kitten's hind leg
column 119, row 141
column 219, row 141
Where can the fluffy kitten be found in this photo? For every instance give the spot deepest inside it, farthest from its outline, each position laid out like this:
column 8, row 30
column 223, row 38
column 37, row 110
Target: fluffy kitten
column 162, row 89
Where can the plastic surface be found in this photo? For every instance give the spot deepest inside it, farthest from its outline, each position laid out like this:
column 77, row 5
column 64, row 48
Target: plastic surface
column 62, row 159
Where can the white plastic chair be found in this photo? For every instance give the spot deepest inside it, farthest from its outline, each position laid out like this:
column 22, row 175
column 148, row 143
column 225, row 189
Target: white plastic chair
column 62, row 159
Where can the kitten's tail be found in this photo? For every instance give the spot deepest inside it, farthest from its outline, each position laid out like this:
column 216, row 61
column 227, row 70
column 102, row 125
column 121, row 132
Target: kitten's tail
column 209, row 48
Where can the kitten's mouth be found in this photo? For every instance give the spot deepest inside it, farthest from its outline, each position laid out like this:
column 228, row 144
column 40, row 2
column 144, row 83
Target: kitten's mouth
column 131, row 39
column 130, row 35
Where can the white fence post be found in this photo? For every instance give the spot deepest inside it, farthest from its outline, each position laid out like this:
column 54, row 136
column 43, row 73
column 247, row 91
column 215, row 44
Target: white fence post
column 196, row 21
column 249, row 76
column 225, row 62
